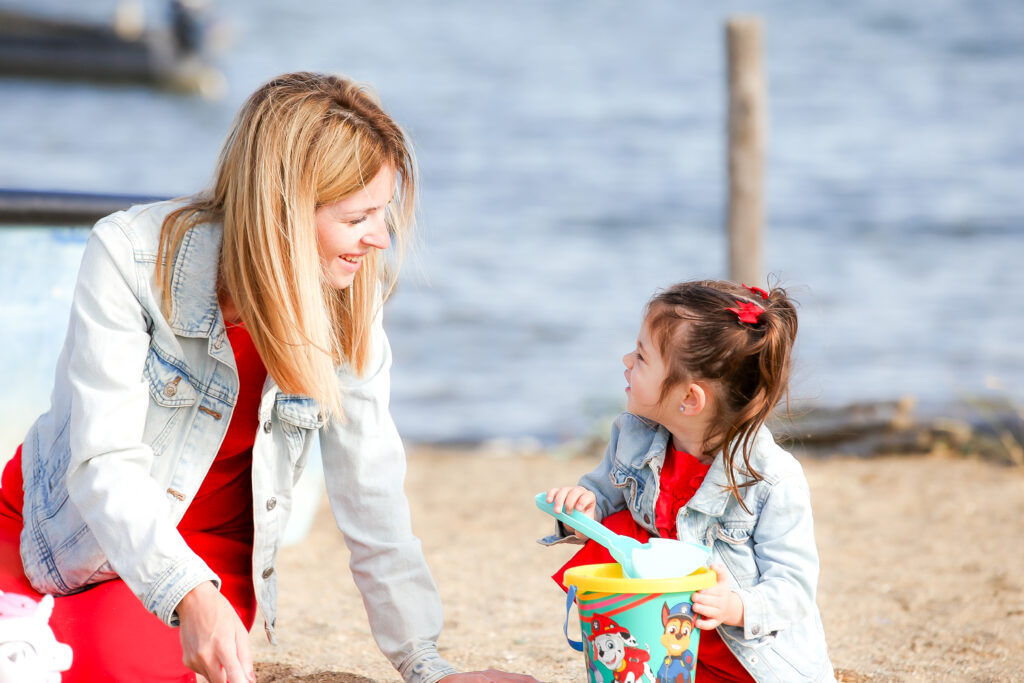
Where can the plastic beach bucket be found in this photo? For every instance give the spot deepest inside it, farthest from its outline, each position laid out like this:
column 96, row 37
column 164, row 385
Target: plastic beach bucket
column 635, row 630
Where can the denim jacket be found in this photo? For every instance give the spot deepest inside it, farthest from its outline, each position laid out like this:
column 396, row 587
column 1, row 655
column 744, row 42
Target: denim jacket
column 139, row 408
column 769, row 553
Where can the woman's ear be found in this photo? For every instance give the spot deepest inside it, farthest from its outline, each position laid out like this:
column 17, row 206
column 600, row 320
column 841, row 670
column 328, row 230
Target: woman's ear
column 694, row 400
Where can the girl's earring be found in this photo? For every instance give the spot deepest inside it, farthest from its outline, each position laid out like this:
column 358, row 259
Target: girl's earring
column 682, row 407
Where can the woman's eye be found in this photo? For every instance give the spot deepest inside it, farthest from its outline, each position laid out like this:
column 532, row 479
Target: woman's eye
column 357, row 221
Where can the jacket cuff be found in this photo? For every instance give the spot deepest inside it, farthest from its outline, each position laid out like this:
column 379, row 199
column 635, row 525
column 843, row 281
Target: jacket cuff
column 754, row 614
column 166, row 592
column 561, row 535
column 425, row 665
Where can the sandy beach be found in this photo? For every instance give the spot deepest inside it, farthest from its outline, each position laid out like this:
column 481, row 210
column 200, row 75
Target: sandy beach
column 922, row 571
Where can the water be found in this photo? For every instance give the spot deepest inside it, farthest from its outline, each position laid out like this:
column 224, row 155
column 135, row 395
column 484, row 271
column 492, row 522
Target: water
column 572, row 159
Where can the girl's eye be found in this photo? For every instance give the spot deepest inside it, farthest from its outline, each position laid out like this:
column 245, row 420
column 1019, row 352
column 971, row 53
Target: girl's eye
column 638, row 356
column 357, row 221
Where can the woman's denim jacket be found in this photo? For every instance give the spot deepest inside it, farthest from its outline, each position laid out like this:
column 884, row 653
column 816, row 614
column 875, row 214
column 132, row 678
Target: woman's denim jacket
column 769, row 553
column 139, row 408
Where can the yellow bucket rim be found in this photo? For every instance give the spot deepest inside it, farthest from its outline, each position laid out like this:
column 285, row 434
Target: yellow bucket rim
column 608, row 578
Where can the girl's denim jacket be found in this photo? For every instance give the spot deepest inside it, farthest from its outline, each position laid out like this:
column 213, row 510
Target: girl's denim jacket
column 769, row 553
column 139, row 409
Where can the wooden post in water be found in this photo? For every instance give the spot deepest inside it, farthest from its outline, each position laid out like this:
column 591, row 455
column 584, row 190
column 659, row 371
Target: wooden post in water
column 747, row 133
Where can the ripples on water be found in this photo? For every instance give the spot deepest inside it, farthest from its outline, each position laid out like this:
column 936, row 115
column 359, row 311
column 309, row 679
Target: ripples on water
column 572, row 162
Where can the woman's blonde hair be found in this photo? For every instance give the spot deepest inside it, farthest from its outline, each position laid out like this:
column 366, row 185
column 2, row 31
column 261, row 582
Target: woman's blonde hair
column 301, row 141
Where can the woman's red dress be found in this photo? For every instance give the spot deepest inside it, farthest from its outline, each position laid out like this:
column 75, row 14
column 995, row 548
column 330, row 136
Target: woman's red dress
column 112, row 636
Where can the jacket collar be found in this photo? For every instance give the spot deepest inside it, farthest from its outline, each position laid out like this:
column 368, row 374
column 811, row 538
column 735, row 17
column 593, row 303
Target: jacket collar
column 196, row 310
column 712, row 497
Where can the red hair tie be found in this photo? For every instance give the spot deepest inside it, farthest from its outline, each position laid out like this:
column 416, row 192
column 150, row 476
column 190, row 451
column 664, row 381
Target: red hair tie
column 747, row 312
column 757, row 290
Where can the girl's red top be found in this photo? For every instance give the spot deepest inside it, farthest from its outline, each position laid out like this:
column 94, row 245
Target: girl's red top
column 681, row 476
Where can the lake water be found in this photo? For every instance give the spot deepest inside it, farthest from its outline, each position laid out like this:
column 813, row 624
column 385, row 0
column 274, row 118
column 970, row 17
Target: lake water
column 572, row 159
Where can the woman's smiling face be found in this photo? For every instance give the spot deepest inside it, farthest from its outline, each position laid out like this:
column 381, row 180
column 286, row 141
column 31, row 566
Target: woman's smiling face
column 348, row 229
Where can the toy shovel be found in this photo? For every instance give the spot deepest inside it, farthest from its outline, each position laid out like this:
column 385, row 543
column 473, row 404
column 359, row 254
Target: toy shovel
column 659, row 558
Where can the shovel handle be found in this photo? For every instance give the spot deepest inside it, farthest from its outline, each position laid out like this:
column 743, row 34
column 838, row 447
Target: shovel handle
column 586, row 526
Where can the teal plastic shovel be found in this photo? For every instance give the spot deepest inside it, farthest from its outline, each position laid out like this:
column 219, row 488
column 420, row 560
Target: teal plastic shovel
column 659, row 558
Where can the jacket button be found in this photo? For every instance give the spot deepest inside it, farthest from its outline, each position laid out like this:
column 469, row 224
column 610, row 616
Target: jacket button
column 267, row 426
column 647, row 519
column 272, row 503
column 170, row 390
column 268, row 572
column 756, row 630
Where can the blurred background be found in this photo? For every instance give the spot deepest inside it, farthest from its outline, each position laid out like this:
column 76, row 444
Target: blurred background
column 573, row 161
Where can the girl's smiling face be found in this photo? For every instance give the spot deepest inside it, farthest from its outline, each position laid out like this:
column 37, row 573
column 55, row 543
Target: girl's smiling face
column 348, row 229
column 645, row 374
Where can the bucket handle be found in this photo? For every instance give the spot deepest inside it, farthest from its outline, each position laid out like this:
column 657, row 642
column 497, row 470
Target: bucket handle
column 570, row 597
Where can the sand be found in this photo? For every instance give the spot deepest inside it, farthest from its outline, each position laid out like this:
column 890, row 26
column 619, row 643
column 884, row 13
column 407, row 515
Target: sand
column 922, row 571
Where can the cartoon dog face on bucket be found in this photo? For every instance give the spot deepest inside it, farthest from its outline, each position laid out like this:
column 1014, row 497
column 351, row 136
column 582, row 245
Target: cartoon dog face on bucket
column 677, row 623
column 617, row 650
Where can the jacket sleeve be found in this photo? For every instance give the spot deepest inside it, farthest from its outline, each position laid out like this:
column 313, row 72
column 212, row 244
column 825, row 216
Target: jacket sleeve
column 364, row 467
column 108, row 477
column 786, row 558
column 609, row 498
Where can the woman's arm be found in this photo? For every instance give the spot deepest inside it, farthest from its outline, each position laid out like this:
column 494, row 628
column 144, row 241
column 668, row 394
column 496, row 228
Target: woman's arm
column 364, row 467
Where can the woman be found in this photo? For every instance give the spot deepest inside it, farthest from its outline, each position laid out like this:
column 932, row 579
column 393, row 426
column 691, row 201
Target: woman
column 209, row 338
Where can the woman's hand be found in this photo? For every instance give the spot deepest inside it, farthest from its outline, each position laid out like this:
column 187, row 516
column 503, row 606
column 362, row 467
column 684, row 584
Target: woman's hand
column 489, row 676
column 718, row 604
column 214, row 642
column 569, row 498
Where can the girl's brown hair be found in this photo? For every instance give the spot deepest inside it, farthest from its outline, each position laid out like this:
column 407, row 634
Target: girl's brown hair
column 746, row 365
column 300, row 141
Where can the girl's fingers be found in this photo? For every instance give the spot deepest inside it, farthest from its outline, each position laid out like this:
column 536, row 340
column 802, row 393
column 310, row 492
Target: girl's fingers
column 707, row 606
column 707, row 624
column 568, row 498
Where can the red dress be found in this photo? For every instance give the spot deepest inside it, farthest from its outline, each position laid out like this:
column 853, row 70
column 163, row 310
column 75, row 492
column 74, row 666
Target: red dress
column 112, row 636
column 681, row 476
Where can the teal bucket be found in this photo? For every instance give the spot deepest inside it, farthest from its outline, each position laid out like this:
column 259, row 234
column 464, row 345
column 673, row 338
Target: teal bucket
column 635, row 630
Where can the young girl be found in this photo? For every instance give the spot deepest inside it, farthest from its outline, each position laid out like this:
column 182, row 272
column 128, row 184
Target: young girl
column 692, row 459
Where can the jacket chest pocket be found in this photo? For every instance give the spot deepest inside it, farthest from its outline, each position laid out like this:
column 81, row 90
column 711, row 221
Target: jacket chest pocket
column 299, row 417
column 733, row 542
column 171, row 399
column 629, row 479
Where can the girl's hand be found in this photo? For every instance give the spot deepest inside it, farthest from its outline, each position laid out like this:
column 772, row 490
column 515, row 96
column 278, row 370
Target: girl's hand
column 214, row 642
column 569, row 498
column 489, row 676
column 718, row 604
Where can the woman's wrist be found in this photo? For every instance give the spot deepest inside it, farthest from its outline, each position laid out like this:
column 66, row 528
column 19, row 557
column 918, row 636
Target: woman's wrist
column 195, row 597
